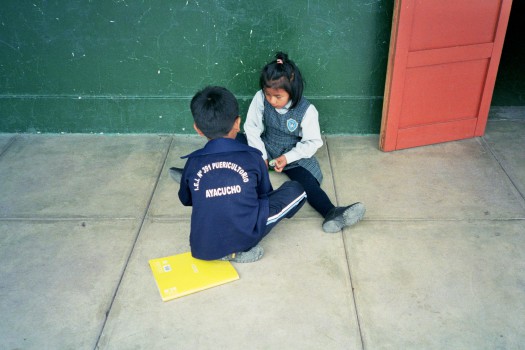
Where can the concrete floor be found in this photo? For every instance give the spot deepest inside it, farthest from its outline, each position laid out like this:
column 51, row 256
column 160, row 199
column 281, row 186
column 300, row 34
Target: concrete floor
column 438, row 262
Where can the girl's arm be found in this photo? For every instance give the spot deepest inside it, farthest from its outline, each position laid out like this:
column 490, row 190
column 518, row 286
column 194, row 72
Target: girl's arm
column 311, row 139
column 254, row 127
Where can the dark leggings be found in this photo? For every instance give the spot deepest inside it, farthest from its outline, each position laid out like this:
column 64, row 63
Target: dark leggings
column 316, row 197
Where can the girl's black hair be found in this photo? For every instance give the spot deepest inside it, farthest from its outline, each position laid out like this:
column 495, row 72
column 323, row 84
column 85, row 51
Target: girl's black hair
column 214, row 111
column 282, row 73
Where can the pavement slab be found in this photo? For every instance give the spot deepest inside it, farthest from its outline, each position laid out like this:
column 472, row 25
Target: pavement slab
column 60, row 176
column 5, row 140
column 58, row 279
column 439, row 284
column 507, row 140
column 437, row 262
column 165, row 203
column 455, row 180
column 298, row 296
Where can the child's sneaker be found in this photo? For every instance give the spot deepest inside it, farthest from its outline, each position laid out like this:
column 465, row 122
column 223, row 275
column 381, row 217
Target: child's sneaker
column 252, row 255
column 176, row 174
column 340, row 217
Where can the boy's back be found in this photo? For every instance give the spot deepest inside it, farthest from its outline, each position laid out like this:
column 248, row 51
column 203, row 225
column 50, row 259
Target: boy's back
column 227, row 184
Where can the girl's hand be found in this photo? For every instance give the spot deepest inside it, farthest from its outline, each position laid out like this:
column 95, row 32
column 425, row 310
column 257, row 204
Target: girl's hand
column 280, row 163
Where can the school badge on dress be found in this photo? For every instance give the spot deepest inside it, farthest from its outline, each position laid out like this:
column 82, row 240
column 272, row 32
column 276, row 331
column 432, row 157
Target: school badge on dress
column 291, row 124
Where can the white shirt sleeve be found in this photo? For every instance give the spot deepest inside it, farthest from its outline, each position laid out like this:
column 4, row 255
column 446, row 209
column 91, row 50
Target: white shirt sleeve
column 254, row 127
column 310, row 134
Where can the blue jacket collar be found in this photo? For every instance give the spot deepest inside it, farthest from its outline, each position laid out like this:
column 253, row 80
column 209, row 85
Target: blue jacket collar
column 222, row 145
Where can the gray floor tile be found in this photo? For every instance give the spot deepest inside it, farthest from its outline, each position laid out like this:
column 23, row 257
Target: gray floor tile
column 80, row 175
column 454, row 180
column 166, row 202
column 297, row 297
column 439, row 285
column 5, row 140
column 58, row 279
column 507, row 140
column 437, row 263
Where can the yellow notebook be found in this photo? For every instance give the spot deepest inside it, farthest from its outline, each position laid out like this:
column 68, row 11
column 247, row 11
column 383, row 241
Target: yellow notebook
column 181, row 274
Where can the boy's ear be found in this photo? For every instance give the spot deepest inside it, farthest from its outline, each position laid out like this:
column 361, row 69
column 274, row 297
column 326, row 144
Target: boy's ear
column 198, row 130
column 237, row 124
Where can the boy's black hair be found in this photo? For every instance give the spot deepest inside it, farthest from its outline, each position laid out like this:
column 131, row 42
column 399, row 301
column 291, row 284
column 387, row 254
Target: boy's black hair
column 214, row 111
column 282, row 73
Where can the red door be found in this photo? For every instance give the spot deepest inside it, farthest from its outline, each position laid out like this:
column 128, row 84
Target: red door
column 443, row 60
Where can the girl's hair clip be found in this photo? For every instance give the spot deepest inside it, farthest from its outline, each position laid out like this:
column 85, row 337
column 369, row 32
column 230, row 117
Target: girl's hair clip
column 279, row 61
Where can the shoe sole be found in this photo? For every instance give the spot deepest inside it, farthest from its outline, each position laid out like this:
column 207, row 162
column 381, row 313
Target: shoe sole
column 354, row 214
column 351, row 216
column 332, row 226
column 253, row 255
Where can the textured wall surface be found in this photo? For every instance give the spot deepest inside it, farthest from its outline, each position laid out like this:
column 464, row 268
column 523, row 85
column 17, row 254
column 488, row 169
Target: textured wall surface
column 133, row 66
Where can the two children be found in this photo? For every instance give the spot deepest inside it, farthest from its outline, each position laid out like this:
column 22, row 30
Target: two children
column 227, row 182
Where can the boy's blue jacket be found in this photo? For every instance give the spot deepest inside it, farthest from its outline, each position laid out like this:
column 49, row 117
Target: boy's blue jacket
column 227, row 184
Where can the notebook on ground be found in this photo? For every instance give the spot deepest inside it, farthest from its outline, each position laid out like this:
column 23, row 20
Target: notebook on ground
column 181, row 274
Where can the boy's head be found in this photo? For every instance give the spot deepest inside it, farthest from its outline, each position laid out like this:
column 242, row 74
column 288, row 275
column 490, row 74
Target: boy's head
column 215, row 111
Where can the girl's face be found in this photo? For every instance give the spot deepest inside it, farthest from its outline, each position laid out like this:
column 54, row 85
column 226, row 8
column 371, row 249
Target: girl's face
column 278, row 98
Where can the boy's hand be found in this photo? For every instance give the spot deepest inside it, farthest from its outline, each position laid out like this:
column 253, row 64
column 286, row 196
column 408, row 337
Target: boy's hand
column 280, row 163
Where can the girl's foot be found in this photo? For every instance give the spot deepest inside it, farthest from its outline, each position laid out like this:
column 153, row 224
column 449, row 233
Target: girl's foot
column 340, row 217
column 252, row 255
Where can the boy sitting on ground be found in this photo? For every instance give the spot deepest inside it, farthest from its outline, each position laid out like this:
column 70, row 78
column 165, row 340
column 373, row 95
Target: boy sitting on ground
column 227, row 183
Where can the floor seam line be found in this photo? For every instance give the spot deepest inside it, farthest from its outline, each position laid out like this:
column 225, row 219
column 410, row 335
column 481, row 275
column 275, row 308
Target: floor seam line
column 486, row 145
column 8, row 145
column 137, row 235
column 63, row 219
column 349, row 271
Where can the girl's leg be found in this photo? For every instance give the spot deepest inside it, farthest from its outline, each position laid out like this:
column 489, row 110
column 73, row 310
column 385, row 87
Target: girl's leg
column 335, row 218
column 317, row 198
